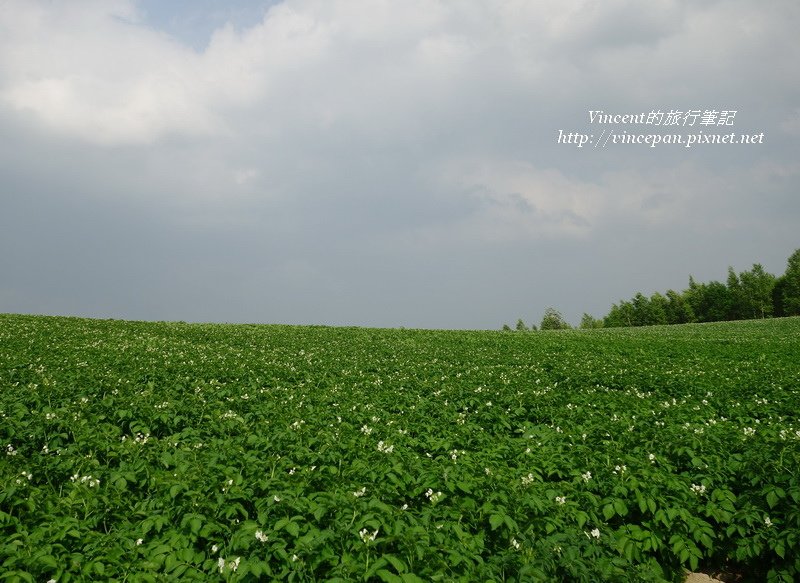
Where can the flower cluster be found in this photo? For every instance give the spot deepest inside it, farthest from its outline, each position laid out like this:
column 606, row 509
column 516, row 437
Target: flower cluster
column 27, row 475
column 383, row 448
column 88, row 480
column 360, row 493
column 230, row 565
column 433, row 496
column 698, row 489
column 366, row 536
column 138, row 438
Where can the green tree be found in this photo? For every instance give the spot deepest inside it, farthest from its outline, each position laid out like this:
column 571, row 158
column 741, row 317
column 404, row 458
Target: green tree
column 736, row 303
column 620, row 315
column 657, row 314
column 521, row 327
column 710, row 301
column 677, row 309
column 755, row 292
column 641, row 309
column 777, row 297
column 790, row 296
column 588, row 322
column 553, row 320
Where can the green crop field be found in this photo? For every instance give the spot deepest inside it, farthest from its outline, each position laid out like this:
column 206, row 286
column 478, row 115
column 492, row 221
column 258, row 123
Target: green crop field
column 140, row 451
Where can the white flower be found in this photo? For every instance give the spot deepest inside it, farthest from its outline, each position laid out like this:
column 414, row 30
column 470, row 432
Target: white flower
column 221, row 564
column 276, row 498
column 749, row 431
column 366, row 430
column 360, row 493
column 698, row 489
column 515, row 544
column 139, row 541
column 10, row 450
column 652, row 458
column 561, row 500
column 261, row 537
column 587, row 476
column 528, row 479
column 620, row 469
column 366, row 536
column 595, row 532
column 767, row 522
column 88, row 480
column 235, row 564
column 214, row 548
column 383, row 448
column 433, row 496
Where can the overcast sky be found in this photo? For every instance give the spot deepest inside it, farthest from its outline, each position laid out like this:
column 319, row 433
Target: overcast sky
column 376, row 163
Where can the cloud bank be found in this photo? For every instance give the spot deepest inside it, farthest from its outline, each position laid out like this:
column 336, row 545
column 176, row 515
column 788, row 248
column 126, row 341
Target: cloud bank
column 377, row 163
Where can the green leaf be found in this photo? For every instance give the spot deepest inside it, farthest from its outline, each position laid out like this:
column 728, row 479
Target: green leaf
column 495, row 520
column 388, row 577
column 780, row 550
column 293, row 529
column 772, row 498
column 399, row 565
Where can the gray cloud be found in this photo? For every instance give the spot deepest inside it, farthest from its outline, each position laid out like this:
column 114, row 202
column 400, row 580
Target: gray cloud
column 346, row 162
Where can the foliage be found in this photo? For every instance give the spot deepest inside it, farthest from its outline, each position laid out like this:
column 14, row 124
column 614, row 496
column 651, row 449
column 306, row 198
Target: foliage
column 553, row 320
column 167, row 451
column 790, row 288
column 588, row 322
column 747, row 295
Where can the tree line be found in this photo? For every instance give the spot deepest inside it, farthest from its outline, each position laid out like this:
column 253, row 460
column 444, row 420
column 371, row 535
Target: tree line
column 750, row 294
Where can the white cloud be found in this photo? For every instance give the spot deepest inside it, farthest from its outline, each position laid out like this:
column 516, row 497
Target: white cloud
column 333, row 134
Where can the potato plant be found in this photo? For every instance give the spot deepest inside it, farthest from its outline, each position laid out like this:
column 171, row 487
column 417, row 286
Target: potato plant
column 140, row 452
